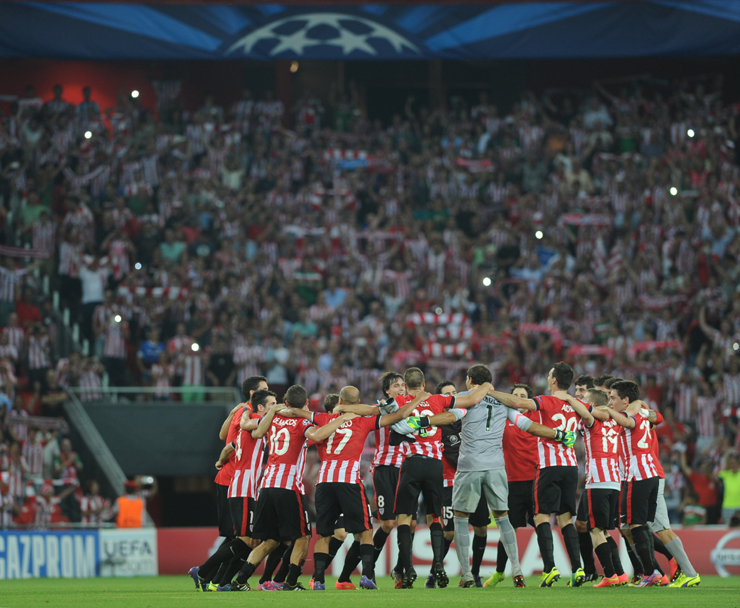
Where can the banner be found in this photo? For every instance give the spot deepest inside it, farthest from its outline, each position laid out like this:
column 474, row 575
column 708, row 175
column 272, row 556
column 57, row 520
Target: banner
column 129, row 552
column 714, row 550
column 513, row 30
column 48, row 554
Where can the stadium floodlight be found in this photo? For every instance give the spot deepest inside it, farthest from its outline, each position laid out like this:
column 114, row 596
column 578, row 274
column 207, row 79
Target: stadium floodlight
column 735, row 346
column 134, row 93
column 538, row 235
column 690, row 133
column 487, row 281
column 117, row 318
column 674, row 190
column 438, row 311
column 88, row 134
column 195, row 347
column 137, row 266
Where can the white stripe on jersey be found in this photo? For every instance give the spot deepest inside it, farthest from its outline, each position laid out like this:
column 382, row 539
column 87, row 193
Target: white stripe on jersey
column 385, row 453
column 288, row 477
column 340, row 471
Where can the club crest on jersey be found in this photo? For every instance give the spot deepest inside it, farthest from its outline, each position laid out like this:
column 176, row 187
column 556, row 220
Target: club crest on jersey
column 381, row 510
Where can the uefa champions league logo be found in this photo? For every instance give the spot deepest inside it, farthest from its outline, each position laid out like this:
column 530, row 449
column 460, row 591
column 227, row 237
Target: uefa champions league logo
column 348, row 33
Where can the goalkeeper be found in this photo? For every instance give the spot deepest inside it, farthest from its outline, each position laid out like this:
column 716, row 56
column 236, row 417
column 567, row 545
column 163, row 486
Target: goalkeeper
column 481, row 468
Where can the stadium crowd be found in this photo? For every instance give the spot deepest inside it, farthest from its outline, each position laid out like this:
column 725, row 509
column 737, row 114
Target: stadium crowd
column 200, row 248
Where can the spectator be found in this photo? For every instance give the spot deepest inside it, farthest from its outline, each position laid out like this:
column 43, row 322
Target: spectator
column 221, row 371
column 704, row 484
column 149, row 353
column 693, row 513
column 730, row 476
column 67, row 466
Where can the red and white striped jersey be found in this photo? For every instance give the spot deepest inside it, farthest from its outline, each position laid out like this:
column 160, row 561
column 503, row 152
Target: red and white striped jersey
column 520, row 453
column 731, row 389
column 193, row 370
column 386, row 454
column 33, row 454
column 706, row 410
column 685, row 397
column 7, row 502
column 39, row 351
column 226, row 474
column 43, row 236
column 90, row 503
column 115, row 339
column 637, row 450
column 340, row 453
column 559, row 415
column 430, row 443
column 9, row 279
column 247, row 463
column 601, row 440
column 287, row 461
column 16, row 336
column 90, row 381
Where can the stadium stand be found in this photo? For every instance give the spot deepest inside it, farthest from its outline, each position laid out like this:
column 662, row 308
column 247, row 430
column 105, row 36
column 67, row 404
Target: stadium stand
column 198, row 248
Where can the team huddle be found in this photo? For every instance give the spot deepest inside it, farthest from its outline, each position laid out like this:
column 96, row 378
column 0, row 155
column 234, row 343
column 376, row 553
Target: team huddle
column 465, row 455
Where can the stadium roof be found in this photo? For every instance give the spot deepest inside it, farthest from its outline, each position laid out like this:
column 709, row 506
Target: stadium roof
column 357, row 31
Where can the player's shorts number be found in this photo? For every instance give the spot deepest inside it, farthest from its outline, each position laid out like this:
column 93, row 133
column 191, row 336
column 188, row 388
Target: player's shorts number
column 381, row 501
column 447, row 513
column 275, row 439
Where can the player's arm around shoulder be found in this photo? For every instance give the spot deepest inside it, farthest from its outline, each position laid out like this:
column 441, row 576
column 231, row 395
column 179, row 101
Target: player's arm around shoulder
column 621, row 418
column 473, row 396
column 512, row 401
column 578, row 406
column 266, row 421
column 318, row 434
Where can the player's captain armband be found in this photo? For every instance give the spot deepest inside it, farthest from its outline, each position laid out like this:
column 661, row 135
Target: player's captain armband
column 458, row 413
column 521, row 421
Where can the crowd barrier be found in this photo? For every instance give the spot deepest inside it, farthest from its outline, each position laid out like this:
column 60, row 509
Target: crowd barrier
column 78, row 553
column 714, row 550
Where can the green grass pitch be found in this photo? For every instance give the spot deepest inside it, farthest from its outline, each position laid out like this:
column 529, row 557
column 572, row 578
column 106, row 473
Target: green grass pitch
column 178, row 591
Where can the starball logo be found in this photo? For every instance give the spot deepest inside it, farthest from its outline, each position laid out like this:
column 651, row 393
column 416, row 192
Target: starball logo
column 345, row 33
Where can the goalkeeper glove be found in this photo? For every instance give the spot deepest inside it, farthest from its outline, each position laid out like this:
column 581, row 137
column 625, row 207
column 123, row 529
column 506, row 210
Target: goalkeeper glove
column 567, row 438
column 418, row 422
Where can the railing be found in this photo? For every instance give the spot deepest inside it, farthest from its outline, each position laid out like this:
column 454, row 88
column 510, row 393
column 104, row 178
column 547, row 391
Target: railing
column 116, row 393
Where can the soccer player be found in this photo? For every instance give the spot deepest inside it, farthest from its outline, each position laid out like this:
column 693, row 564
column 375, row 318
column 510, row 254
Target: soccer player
column 520, row 456
column 339, row 489
column 661, row 525
column 243, row 489
column 556, row 479
column 228, row 433
column 480, row 519
column 639, row 503
column 421, row 473
column 385, row 467
column 600, row 500
column 282, row 513
column 582, row 384
column 481, row 466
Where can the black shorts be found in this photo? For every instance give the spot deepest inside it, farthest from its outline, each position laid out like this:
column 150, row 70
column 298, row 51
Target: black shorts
column 281, row 515
column 599, row 508
column 479, row 519
column 640, row 501
column 242, row 514
column 521, row 507
column 554, row 490
column 385, row 481
column 336, row 499
column 225, row 523
column 419, row 475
